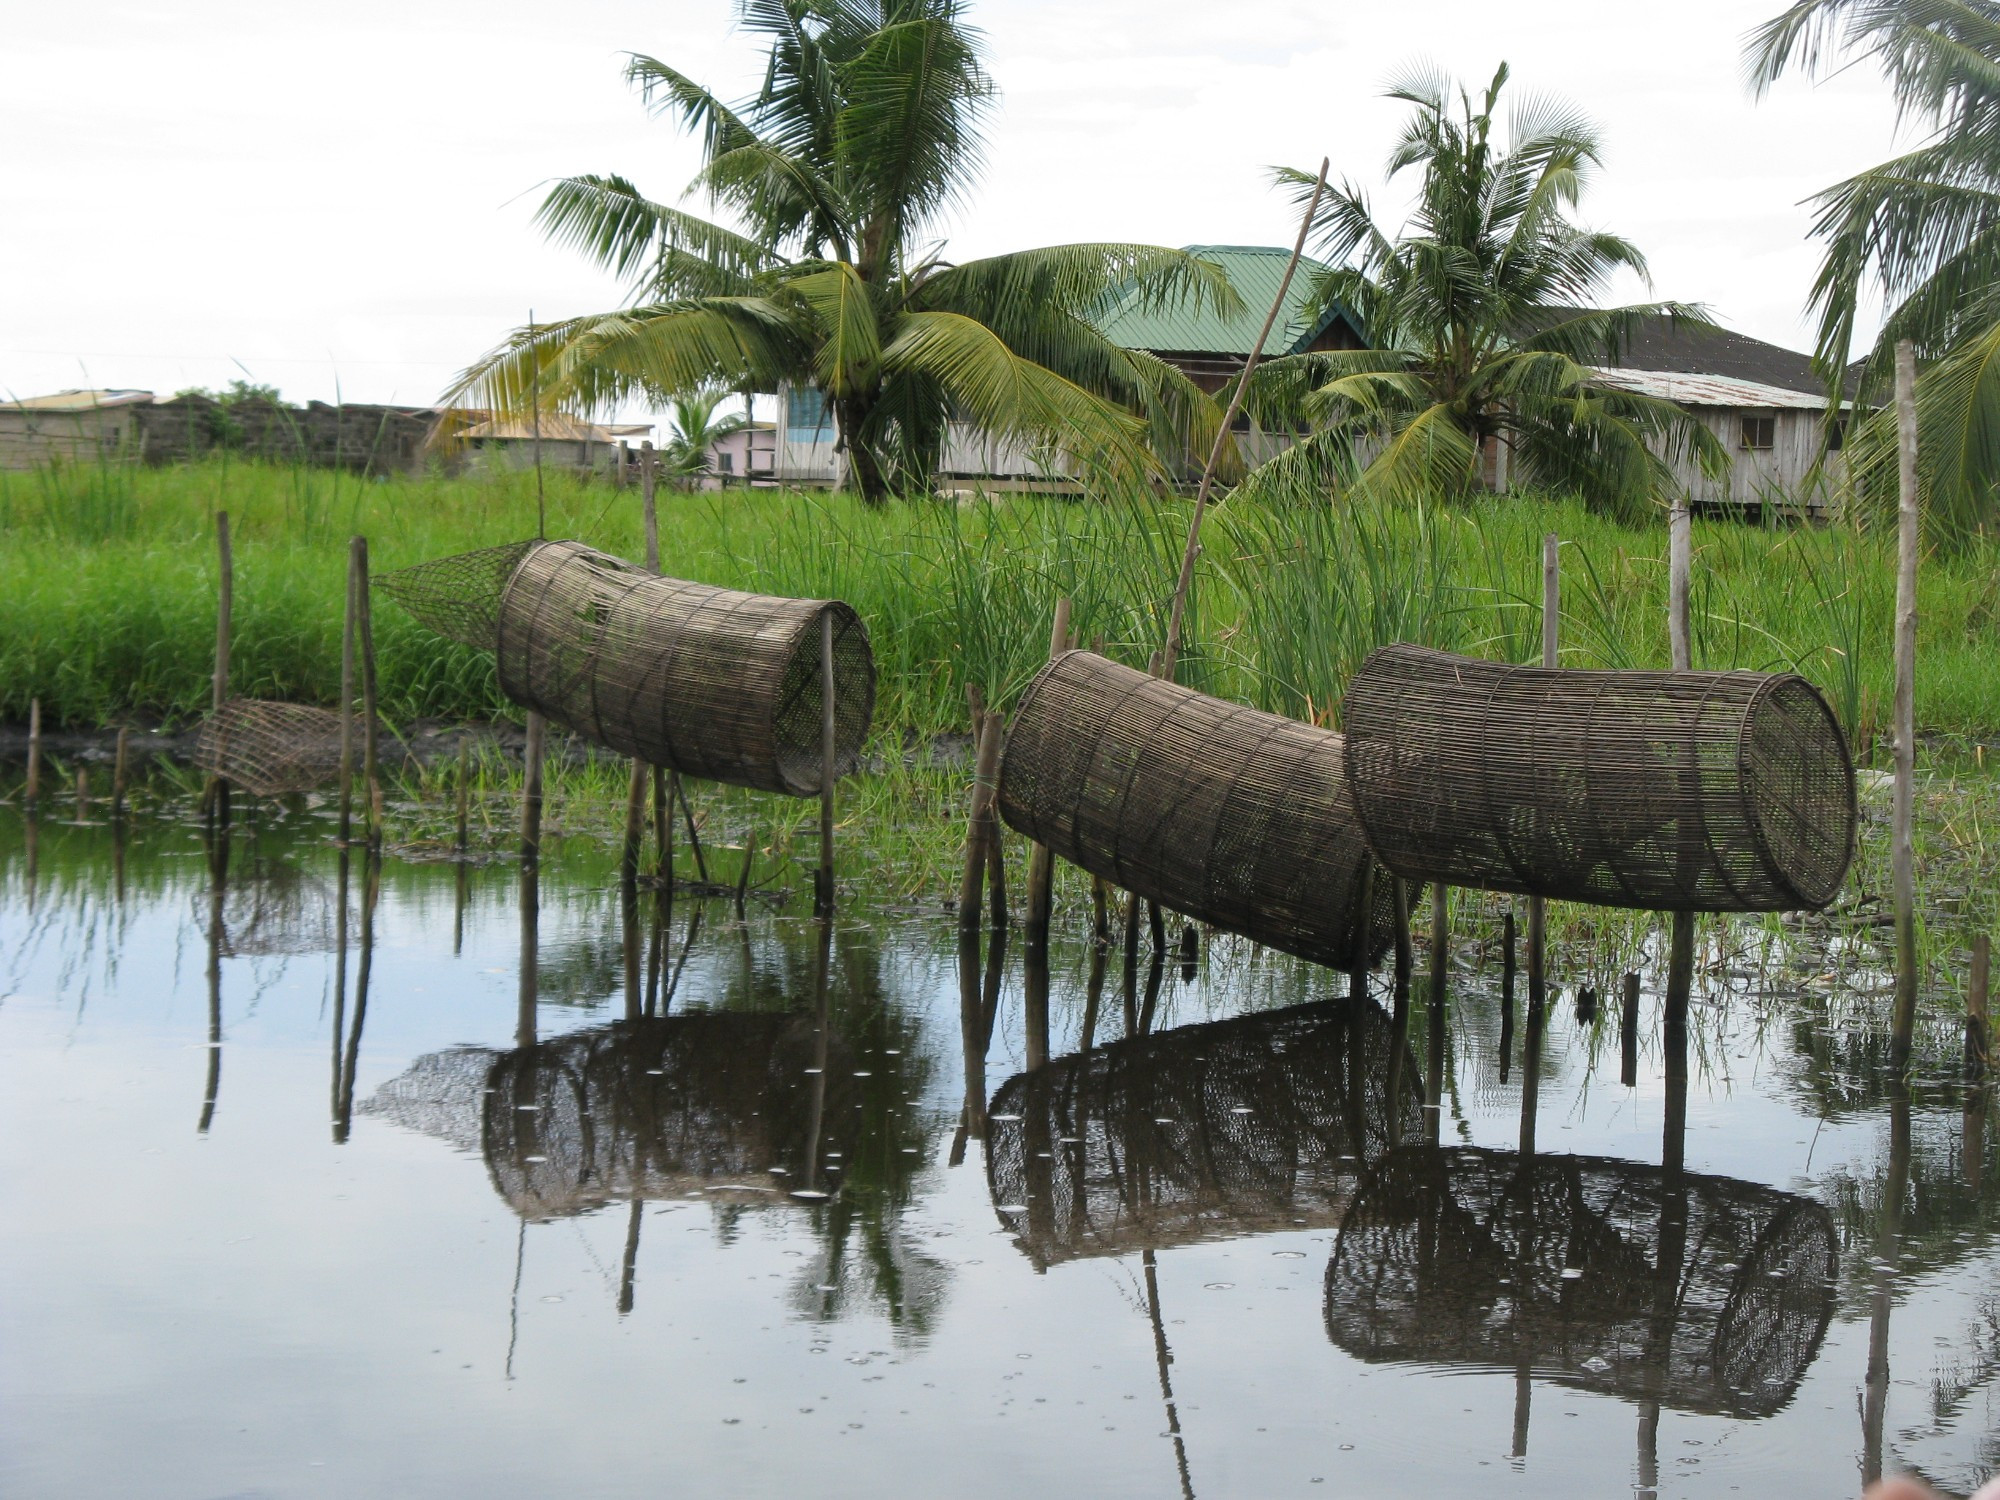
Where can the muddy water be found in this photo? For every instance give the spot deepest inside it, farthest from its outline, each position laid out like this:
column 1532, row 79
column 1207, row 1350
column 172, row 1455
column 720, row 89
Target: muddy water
column 708, row 1207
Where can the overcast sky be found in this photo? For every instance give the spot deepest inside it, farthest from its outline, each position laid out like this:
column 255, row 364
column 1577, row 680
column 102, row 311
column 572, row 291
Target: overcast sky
column 336, row 199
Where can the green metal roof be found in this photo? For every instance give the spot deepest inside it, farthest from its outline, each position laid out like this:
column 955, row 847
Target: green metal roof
column 1255, row 271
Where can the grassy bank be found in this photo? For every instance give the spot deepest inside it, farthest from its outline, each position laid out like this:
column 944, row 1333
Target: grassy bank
column 107, row 609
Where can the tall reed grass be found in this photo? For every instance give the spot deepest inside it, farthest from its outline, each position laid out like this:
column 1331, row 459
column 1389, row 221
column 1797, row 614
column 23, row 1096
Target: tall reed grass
column 107, row 579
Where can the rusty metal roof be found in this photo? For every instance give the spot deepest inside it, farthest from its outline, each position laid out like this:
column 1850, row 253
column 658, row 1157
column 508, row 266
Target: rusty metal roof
column 1689, row 389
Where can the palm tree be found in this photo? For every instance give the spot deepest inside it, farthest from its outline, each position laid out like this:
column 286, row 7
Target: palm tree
column 1477, row 344
column 1922, row 229
column 696, row 429
column 866, row 132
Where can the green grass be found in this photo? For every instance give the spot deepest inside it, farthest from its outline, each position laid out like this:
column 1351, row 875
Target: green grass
column 107, row 609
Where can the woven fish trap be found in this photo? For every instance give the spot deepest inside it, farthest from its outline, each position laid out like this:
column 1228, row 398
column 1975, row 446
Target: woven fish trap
column 1221, row 812
column 1212, row 1131
column 1662, row 791
column 270, row 749
column 1703, row 1293
column 706, row 681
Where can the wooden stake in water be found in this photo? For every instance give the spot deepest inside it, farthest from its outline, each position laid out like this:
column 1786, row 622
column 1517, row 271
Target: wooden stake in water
column 1978, row 1038
column 635, row 794
column 531, row 790
column 118, row 773
column 828, row 753
column 1364, row 934
column 82, row 793
column 985, row 765
column 1538, row 914
column 347, row 647
column 464, row 790
column 1680, row 643
column 217, row 791
column 33, row 790
column 1041, row 862
column 1628, row 1034
column 364, row 629
column 1440, row 950
column 1902, row 850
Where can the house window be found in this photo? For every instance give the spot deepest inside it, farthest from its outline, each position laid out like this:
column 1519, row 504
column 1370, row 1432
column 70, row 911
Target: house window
column 1758, row 432
column 1836, row 434
column 806, row 413
column 727, row 461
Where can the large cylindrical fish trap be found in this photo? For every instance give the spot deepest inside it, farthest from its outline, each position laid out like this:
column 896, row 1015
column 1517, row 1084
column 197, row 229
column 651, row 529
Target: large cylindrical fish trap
column 1220, row 812
column 1665, row 791
column 707, row 681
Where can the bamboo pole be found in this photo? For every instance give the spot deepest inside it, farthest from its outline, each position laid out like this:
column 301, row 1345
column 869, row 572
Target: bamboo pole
column 995, row 835
column 33, row 790
column 1171, row 652
column 464, row 790
column 364, row 630
column 1364, row 932
column 82, row 794
column 1405, row 959
column 1440, row 950
column 347, row 630
column 1041, row 862
column 1680, row 643
column 649, row 503
column 828, row 752
column 1978, row 1042
column 1902, row 849
column 1538, row 915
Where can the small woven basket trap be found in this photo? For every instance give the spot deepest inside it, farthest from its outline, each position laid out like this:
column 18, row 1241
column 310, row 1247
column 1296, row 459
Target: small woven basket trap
column 270, row 749
column 1225, row 814
column 1664, row 791
column 706, row 681
column 1702, row 1293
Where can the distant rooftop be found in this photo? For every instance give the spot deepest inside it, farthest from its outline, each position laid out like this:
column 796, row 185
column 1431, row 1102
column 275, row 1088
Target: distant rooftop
column 75, row 401
column 1187, row 328
column 1693, row 389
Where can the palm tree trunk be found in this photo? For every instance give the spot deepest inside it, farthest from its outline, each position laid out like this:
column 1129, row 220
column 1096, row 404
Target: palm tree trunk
column 864, row 468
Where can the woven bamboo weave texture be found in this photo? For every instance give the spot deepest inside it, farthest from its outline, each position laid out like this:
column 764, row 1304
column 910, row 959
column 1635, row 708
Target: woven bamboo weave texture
column 270, row 749
column 706, row 681
column 1703, row 1293
column 1664, row 791
column 1221, row 812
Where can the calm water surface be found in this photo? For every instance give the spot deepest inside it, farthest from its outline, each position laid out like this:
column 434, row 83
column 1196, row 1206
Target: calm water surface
column 410, row 1216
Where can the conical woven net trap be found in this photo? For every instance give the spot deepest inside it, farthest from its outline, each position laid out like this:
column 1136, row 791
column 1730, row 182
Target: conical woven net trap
column 1703, row 1293
column 706, row 681
column 1229, row 1128
column 1220, row 812
column 1663, row 791
column 716, row 1103
column 270, row 749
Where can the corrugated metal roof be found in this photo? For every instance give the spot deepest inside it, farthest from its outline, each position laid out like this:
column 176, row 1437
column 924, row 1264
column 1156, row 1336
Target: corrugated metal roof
column 1255, row 271
column 556, row 428
column 1688, row 389
column 73, row 401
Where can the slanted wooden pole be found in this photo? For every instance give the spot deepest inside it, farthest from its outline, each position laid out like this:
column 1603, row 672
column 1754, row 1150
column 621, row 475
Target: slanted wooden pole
column 347, row 648
column 1902, row 848
column 828, row 751
column 364, row 630
column 1978, row 1038
column 31, row 793
column 1041, row 862
column 1538, row 914
column 1170, row 654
